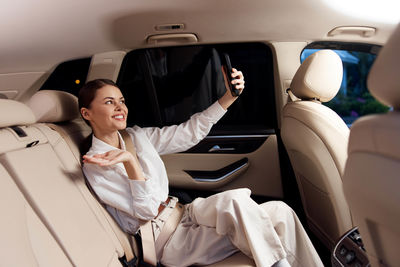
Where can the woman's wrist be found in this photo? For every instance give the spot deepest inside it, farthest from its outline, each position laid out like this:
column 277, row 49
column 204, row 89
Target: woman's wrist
column 226, row 100
column 133, row 169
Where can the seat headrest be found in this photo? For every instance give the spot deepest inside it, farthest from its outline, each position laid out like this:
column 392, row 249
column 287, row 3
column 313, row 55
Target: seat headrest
column 319, row 76
column 54, row 106
column 14, row 113
column 384, row 77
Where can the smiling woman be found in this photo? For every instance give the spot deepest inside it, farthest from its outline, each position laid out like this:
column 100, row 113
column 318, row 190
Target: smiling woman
column 166, row 78
column 134, row 186
column 102, row 105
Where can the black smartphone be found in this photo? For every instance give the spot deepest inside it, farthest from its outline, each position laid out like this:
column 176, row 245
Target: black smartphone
column 226, row 64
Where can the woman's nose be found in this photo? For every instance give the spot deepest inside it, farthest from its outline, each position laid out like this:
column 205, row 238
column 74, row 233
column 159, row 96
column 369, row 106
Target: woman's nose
column 118, row 106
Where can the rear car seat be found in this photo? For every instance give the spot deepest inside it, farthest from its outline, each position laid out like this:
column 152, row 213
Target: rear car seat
column 50, row 107
column 25, row 240
column 58, row 211
column 54, row 108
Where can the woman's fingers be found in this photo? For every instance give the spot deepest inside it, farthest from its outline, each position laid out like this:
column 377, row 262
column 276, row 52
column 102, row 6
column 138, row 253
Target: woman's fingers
column 238, row 82
column 239, row 79
column 100, row 161
column 93, row 160
column 103, row 159
column 237, row 73
column 109, row 158
column 239, row 86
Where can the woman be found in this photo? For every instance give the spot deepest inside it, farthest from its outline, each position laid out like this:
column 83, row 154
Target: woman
column 135, row 187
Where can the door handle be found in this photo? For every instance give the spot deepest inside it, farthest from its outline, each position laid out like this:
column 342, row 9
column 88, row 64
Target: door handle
column 226, row 172
column 217, row 148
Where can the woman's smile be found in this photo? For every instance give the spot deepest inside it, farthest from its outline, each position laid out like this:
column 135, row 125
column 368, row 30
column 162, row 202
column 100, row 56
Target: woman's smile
column 119, row 117
column 107, row 113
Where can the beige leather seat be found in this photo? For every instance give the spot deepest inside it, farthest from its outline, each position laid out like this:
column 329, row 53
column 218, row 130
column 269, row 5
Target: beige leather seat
column 25, row 240
column 372, row 174
column 59, row 209
column 316, row 139
column 59, row 110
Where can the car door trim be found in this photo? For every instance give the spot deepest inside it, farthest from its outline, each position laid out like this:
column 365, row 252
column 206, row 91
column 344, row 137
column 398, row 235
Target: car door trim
column 220, row 174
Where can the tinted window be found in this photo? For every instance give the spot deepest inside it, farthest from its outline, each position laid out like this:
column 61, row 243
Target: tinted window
column 69, row 76
column 165, row 86
column 353, row 99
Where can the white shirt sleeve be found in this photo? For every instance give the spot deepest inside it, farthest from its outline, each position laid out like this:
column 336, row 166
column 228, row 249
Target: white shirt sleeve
column 178, row 138
column 110, row 184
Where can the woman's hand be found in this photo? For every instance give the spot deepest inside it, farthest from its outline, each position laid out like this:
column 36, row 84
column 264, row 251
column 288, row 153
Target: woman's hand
column 109, row 158
column 131, row 163
column 227, row 99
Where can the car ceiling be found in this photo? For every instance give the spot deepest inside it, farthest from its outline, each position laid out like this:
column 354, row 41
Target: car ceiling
column 37, row 35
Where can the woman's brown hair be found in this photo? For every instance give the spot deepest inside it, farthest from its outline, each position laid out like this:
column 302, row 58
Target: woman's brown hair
column 88, row 91
column 85, row 97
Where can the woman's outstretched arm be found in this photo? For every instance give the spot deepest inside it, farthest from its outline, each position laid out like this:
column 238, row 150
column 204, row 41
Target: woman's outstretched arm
column 178, row 138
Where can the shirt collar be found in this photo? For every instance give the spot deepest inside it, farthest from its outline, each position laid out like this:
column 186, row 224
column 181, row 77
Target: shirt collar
column 99, row 146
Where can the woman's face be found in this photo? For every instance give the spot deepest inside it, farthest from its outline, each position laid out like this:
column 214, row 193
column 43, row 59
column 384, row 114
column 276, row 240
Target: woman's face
column 107, row 112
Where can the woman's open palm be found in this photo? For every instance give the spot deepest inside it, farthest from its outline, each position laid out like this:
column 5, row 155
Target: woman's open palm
column 109, row 158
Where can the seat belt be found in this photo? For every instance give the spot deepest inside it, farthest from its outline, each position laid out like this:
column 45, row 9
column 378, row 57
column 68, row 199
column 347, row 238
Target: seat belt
column 169, row 228
column 130, row 258
column 146, row 230
column 293, row 98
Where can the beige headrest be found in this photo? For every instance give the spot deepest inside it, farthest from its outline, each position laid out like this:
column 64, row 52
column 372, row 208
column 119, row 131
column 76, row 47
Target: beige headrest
column 384, row 77
column 318, row 77
column 54, row 106
column 15, row 113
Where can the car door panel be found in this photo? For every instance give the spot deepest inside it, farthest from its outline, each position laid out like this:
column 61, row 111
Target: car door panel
column 261, row 173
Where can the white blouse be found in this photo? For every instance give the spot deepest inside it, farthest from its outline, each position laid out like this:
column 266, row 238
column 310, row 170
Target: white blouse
column 130, row 200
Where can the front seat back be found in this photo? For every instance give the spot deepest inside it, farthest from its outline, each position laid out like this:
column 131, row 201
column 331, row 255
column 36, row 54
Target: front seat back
column 372, row 175
column 316, row 139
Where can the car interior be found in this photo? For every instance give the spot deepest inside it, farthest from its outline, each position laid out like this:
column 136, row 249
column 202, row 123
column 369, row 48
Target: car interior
column 315, row 127
column 316, row 140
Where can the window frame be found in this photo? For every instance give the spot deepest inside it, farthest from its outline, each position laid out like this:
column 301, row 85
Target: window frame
column 61, row 74
column 232, row 136
column 159, row 122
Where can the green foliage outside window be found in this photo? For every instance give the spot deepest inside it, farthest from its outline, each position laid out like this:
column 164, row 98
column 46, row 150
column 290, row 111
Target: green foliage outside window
column 351, row 107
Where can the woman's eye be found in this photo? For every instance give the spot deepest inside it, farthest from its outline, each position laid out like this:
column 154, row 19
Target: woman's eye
column 122, row 101
column 108, row 102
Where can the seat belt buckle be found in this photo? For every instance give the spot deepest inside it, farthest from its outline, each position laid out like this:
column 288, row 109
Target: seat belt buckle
column 132, row 263
column 145, row 264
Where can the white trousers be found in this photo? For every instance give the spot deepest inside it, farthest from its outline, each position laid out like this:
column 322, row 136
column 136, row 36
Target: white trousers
column 213, row 228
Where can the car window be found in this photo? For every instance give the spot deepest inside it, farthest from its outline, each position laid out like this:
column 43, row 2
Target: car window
column 165, row 86
column 353, row 99
column 68, row 76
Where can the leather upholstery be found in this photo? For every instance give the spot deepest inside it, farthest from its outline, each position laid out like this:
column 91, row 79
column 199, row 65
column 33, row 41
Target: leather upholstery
column 316, row 139
column 65, row 223
column 25, row 241
column 54, row 106
column 15, row 113
column 384, row 79
column 319, row 77
column 371, row 180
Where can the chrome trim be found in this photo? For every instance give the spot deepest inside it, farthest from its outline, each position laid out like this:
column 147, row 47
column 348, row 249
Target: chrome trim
column 223, row 177
column 340, row 241
column 217, row 148
column 237, row 136
column 337, row 246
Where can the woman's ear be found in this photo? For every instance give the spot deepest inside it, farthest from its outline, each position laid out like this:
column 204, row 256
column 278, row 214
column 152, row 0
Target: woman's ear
column 85, row 113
